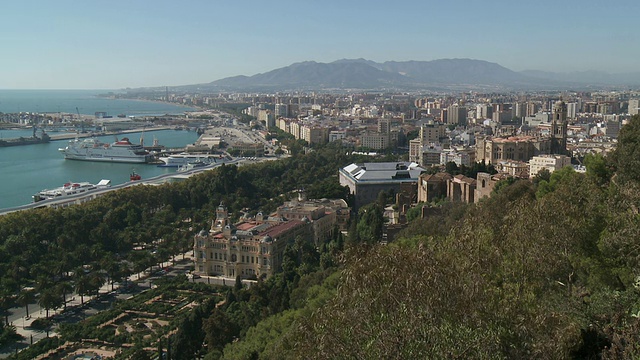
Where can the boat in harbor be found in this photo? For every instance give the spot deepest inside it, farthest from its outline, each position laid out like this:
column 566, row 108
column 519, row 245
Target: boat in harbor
column 134, row 176
column 156, row 147
column 193, row 165
column 182, row 159
column 42, row 139
column 92, row 149
column 70, row 188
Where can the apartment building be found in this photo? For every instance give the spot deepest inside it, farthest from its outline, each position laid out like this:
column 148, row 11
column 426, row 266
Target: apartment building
column 549, row 162
column 314, row 134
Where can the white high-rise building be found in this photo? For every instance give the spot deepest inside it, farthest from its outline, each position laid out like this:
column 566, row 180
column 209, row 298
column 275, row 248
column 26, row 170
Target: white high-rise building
column 634, row 106
column 481, row 111
column 520, row 110
column 572, row 110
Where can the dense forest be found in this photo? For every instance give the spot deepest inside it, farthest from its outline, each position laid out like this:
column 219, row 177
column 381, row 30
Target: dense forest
column 547, row 268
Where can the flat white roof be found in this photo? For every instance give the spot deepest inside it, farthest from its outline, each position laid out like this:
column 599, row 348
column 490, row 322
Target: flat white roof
column 383, row 171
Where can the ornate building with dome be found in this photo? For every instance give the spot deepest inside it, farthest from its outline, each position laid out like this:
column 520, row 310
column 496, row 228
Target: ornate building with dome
column 249, row 248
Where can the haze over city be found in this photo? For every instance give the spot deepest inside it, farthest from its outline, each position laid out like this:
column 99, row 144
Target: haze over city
column 109, row 45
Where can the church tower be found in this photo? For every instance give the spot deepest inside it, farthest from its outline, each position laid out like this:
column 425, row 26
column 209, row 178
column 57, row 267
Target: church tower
column 559, row 128
column 222, row 218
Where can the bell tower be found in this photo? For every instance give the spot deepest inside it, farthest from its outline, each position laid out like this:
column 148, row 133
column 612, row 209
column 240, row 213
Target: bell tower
column 222, row 218
column 559, row 128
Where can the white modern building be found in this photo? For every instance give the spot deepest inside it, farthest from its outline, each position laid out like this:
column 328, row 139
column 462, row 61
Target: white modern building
column 365, row 181
column 549, row 162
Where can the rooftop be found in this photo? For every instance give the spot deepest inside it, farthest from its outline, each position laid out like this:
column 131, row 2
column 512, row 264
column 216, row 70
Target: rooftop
column 441, row 176
column 461, row 178
column 279, row 229
column 252, row 226
column 515, row 139
column 383, row 171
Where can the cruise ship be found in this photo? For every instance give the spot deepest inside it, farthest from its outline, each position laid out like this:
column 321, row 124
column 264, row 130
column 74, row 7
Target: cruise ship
column 70, row 188
column 182, row 159
column 93, row 150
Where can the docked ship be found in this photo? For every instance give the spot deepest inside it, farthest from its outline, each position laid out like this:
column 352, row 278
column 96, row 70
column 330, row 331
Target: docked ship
column 92, row 149
column 193, row 165
column 70, row 188
column 42, row 139
column 182, row 159
column 155, row 148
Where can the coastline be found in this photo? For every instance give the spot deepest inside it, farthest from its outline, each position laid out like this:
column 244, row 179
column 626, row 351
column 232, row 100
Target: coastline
column 87, row 102
column 196, row 107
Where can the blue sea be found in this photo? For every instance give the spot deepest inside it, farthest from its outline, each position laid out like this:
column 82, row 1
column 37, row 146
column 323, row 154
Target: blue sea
column 87, row 102
column 25, row 170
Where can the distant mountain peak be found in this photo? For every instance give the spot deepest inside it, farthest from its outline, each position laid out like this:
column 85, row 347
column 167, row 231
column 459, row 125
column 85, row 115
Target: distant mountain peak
column 440, row 74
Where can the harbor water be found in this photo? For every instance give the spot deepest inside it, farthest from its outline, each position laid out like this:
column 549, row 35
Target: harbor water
column 26, row 170
column 86, row 102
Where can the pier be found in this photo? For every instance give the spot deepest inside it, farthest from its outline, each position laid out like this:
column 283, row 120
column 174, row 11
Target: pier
column 71, row 136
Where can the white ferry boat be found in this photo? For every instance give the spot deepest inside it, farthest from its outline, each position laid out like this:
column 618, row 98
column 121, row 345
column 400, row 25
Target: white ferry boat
column 92, row 149
column 193, row 165
column 182, row 159
column 70, row 188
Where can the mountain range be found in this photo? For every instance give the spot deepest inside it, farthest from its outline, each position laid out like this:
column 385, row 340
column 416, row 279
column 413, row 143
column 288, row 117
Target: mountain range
column 443, row 74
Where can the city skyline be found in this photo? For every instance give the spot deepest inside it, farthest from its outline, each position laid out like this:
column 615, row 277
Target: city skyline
column 86, row 45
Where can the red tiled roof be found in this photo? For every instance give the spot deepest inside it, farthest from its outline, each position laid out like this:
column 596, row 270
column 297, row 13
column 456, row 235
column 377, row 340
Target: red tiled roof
column 441, row 176
column 282, row 228
column 246, row 226
column 462, row 178
column 514, row 139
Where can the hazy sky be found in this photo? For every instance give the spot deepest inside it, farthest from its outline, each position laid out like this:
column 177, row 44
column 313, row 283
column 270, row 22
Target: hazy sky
column 86, row 44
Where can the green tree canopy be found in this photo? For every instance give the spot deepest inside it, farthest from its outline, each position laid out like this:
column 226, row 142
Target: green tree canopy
column 626, row 156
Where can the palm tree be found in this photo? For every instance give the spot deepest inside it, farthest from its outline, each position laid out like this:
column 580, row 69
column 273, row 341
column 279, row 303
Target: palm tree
column 141, row 261
column 43, row 282
column 50, row 299
column 125, row 270
column 26, row 297
column 81, row 284
column 96, row 280
column 113, row 268
column 61, row 265
column 64, row 288
column 6, row 302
